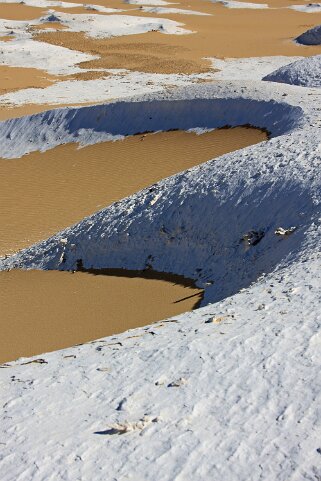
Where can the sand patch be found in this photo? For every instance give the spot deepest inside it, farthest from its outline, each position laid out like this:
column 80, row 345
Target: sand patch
column 19, row 11
column 6, row 38
column 42, row 193
column 16, row 78
column 90, row 75
column 140, row 53
column 47, row 25
column 43, row 311
column 227, row 33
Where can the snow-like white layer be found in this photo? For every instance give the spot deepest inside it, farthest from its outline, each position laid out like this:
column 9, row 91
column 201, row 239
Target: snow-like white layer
column 120, row 84
column 52, row 128
column 236, row 399
column 173, row 11
column 26, row 52
column 44, row 3
column 253, row 68
column 23, row 51
column 305, row 72
column 310, row 37
column 57, row 3
column 236, row 4
column 100, row 8
column 147, row 2
column 101, row 26
column 308, row 8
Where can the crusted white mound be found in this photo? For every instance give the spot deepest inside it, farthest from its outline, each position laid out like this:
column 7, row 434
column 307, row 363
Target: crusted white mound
column 305, row 72
column 249, row 69
column 104, row 26
column 310, row 37
column 236, row 4
column 308, row 8
column 148, row 2
column 211, row 107
column 172, row 11
column 229, row 392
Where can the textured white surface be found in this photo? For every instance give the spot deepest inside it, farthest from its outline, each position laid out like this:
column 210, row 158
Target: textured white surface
column 305, row 72
column 310, row 37
column 253, row 68
column 117, row 84
column 26, row 52
column 172, row 11
column 29, row 53
column 308, row 8
column 229, row 392
column 23, row 51
column 103, row 26
column 44, row 3
column 57, row 3
column 235, row 4
column 148, row 2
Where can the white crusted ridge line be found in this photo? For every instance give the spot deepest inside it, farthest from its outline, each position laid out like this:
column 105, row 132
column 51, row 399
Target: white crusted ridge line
column 51, row 128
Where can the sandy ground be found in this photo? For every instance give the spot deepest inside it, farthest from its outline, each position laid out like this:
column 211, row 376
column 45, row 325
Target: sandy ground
column 52, row 310
column 226, row 33
column 15, row 78
column 45, row 192
column 18, row 11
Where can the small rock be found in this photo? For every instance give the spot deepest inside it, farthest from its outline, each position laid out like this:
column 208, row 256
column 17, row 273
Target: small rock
column 216, row 320
column 179, row 382
column 253, row 237
column 284, row 232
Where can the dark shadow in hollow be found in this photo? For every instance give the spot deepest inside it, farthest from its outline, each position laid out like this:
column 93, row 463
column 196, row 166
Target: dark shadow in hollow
column 147, row 274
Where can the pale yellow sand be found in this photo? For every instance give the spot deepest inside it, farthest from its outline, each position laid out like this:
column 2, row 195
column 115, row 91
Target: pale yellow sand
column 42, row 193
column 46, row 310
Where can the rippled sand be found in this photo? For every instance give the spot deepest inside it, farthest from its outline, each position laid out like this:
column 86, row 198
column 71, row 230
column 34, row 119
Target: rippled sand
column 226, row 33
column 42, row 193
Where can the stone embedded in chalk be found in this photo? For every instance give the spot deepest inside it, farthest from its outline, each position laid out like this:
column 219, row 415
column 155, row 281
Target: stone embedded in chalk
column 253, row 237
column 284, row 232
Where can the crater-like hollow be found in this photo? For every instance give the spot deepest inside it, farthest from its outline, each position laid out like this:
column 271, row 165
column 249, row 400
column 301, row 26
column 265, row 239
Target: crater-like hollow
column 194, row 224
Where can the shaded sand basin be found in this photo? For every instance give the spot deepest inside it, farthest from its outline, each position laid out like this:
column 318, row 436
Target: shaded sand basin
column 42, row 193
column 43, row 311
